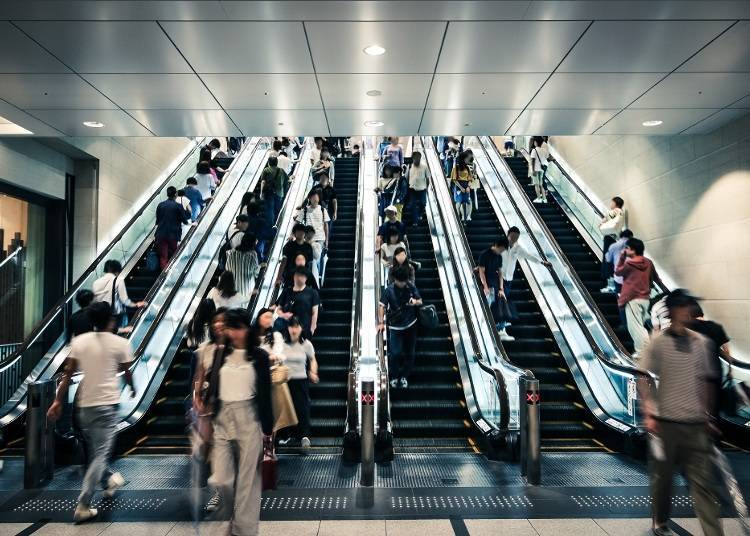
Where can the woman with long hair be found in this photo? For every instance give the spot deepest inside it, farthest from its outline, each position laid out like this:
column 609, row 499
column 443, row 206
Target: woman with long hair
column 400, row 258
column 242, row 261
column 239, row 399
column 303, row 368
column 225, row 294
column 461, row 179
column 271, row 341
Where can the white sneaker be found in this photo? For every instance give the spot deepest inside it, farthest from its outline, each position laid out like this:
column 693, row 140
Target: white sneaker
column 394, row 383
column 607, row 290
column 468, row 219
column 84, row 513
column 214, row 502
column 305, row 443
column 404, row 383
column 505, row 337
column 508, row 324
column 114, row 482
column 538, row 200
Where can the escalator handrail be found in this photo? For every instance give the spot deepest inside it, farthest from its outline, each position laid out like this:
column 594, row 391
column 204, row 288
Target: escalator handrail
column 484, row 364
column 65, row 299
column 596, row 350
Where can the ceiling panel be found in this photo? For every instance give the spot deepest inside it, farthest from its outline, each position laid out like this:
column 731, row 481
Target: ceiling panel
column 109, row 47
column 153, row 91
column 111, row 9
column 51, row 91
column 696, row 90
column 352, row 122
column 242, row 47
column 349, row 91
column 280, row 122
column 719, row 119
column 27, row 121
column 467, row 122
column 729, row 53
column 411, row 47
column 639, row 46
column 503, row 47
column 187, row 122
column 637, row 9
column 26, row 55
column 511, row 90
column 593, row 90
column 273, row 91
column 675, row 121
column 742, row 103
column 558, row 122
column 116, row 122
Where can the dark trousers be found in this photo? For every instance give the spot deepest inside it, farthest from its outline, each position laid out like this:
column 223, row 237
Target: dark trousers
column 300, row 391
column 608, row 269
column 272, row 207
column 687, row 448
column 165, row 247
column 417, row 202
column 507, row 287
column 401, row 346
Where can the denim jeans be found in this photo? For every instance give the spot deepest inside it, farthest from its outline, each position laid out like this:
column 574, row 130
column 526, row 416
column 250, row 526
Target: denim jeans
column 417, row 202
column 492, row 302
column 507, row 287
column 401, row 346
column 98, row 424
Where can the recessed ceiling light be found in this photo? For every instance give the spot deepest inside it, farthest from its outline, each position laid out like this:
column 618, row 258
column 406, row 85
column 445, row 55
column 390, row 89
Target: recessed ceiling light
column 374, row 50
column 374, row 123
column 467, row 124
column 280, row 124
column 374, row 93
column 652, row 123
column 93, row 124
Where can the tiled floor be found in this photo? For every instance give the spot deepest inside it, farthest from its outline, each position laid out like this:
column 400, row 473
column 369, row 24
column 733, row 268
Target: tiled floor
column 432, row 527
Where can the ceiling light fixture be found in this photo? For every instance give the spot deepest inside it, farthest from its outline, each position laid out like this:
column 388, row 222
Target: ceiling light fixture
column 652, row 123
column 280, row 124
column 374, row 93
column 374, row 123
column 93, row 124
column 467, row 124
column 374, row 50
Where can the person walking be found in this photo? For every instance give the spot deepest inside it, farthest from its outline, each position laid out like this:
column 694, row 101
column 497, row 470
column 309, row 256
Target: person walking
column 100, row 355
column 170, row 217
column 418, row 175
column 511, row 256
column 490, row 268
column 239, row 399
column 299, row 356
column 676, row 414
column 301, row 301
column 638, row 274
column 110, row 288
column 398, row 304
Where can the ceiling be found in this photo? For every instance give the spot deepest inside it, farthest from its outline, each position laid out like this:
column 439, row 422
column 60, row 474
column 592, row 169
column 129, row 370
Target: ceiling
column 183, row 68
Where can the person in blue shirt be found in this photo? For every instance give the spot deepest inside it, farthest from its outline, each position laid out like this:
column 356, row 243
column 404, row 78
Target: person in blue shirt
column 170, row 216
column 194, row 196
column 398, row 304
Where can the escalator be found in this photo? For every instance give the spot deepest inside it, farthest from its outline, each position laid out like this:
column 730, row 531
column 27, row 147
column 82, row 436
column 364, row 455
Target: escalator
column 565, row 423
column 431, row 412
column 586, row 264
column 332, row 340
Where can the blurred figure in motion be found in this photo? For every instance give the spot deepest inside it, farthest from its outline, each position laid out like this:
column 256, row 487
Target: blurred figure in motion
column 676, row 414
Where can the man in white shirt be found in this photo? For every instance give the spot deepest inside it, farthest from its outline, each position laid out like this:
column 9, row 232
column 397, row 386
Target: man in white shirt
column 110, row 288
column 418, row 175
column 511, row 257
column 284, row 162
column 100, row 355
column 537, row 166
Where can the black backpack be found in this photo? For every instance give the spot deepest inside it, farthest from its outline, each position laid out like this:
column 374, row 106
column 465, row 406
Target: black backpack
column 225, row 249
column 428, row 317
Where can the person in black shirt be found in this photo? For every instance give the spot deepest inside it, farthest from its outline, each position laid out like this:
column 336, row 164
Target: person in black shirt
column 300, row 261
column 720, row 342
column 329, row 200
column 80, row 322
column 296, row 246
column 170, row 217
column 400, row 301
column 390, row 222
column 301, row 301
column 490, row 266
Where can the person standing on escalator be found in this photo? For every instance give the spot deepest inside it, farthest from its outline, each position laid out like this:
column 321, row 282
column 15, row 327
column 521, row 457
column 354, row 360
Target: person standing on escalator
column 490, row 267
column 614, row 221
column 511, row 256
column 461, row 179
column 418, row 175
column 170, row 217
column 537, row 167
column 273, row 181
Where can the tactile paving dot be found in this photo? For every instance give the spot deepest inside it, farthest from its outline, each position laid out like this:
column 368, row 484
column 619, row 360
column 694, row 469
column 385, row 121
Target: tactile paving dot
column 64, row 505
column 621, row 501
column 304, row 503
column 461, row 501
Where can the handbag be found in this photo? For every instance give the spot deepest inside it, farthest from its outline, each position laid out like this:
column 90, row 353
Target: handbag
column 282, row 405
column 504, row 313
column 269, row 467
column 428, row 317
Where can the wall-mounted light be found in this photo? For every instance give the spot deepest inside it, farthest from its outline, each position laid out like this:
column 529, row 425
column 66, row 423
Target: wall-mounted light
column 93, row 124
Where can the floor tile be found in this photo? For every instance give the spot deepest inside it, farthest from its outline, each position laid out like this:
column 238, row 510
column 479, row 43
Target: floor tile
column 347, row 528
column 11, row 529
column 152, row 528
column 625, row 527
column 205, row 528
column 498, row 527
column 411, row 527
column 732, row 527
column 69, row 529
column 297, row 528
column 567, row 527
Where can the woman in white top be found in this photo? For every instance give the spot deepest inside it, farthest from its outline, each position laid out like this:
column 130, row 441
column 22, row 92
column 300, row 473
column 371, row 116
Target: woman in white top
column 303, row 368
column 225, row 294
column 537, row 165
column 242, row 261
column 271, row 341
column 418, row 175
column 238, row 397
column 614, row 221
column 388, row 249
column 206, row 180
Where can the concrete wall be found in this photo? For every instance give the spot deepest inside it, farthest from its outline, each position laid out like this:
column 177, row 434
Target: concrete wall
column 689, row 199
column 31, row 165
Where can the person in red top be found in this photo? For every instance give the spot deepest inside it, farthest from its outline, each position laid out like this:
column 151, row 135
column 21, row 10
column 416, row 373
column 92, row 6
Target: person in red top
column 638, row 274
